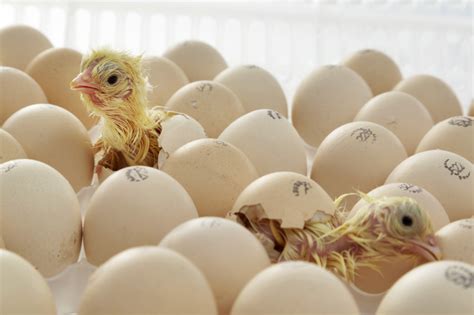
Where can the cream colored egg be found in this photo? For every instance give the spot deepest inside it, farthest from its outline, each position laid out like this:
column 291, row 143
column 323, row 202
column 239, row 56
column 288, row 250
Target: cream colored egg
column 456, row 241
column 455, row 134
column 471, row 109
column 136, row 206
column 446, row 175
column 443, row 287
column 269, row 140
column 199, row 60
column 255, row 87
column 10, row 149
column 326, row 99
column 164, row 77
column 227, row 254
column 51, row 134
column 13, row 96
column 289, row 197
column 147, row 280
column 212, row 104
column 400, row 113
column 41, row 219
column 24, row 290
column 432, row 92
column 213, row 172
column 19, row 44
column 54, row 69
column 295, row 288
column 377, row 69
column 356, row 156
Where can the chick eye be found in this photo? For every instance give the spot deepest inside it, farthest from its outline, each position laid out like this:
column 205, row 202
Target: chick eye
column 112, row 79
column 407, row 221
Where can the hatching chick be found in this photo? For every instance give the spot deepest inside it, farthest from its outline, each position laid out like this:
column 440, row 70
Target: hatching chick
column 384, row 228
column 113, row 87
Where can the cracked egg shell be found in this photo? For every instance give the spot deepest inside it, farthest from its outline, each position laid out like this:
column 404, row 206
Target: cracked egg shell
column 41, row 219
column 289, row 197
column 212, row 104
column 442, row 287
column 295, row 287
column 24, row 290
column 55, row 136
column 147, row 280
column 455, row 134
column 456, row 241
column 400, row 113
column 159, row 204
column 10, row 149
column 213, row 172
column 269, row 141
column 227, row 254
column 446, row 175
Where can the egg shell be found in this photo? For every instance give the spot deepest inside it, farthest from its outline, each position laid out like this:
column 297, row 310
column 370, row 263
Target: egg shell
column 24, row 290
column 227, row 254
column 19, row 44
column 10, row 149
column 400, row 113
column 41, row 219
column 471, row 109
column 432, row 92
column 455, row 134
column 54, row 69
column 356, row 156
column 147, row 280
column 294, row 287
column 13, row 84
column 269, row 140
column 213, row 172
column 377, row 69
column 289, row 197
column 2, row 243
column 326, row 99
column 443, row 287
column 456, row 241
column 198, row 60
column 136, row 206
column 255, row 87
column 446, row 175
column 165, row 78
column 52, row 135
column 212, row 104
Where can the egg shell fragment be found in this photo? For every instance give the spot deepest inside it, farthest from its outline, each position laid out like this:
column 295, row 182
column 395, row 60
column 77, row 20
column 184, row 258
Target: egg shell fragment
column 10, row 149
column 456, row 241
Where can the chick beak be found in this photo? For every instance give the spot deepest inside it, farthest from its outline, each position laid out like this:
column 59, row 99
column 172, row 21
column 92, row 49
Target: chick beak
column 81, row 84
column 426, row 249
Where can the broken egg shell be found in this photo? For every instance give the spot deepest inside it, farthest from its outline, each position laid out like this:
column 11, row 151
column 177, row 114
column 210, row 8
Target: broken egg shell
column 456, row 241
column 10, row 149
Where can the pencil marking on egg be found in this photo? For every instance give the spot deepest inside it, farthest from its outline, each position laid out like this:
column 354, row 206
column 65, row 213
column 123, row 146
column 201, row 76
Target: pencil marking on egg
column 204, row 87
column 466, row 223
column 364, row 134
column 460, row 276
column 296, row 187
column 410, row 188
column 273, row 114
column 213, row 223
column 456, row 169
column 137, row 174
column 461, row 122
column 7, row 167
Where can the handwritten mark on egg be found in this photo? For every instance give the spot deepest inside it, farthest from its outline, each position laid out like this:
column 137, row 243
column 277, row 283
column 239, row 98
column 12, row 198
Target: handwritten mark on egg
column 467, row 224
column 461, row 122
column 410, row 188
column 273, row 114
column 364, row 135
column 456, row 169
column 137, row 174
column 7, row 167
column 211, row 223
column 298, row 184
column 204, row 87
column 460, row 276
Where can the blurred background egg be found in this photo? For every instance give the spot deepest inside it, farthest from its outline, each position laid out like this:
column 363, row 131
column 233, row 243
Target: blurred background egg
column 456, row 241
column 54, row 69
column 400, row 113
column 13, row 84
column 432, row 92
column 212, row 104
column 165, row 78
column 471, row 109
column 41, row 219
column 51, row 134
column 294, row 287
column 443, row 287
column 135, row 206
column 213, row 172
column 198, row 60
column 255, row 87
column 227, row 254
column 289, row 197
column 446, row 175
column 356, row 156
column 377, row 69
column 455, row 134
column 19, row 44
column 269, row 140
column 327, row 98
column 24, row 290
column 147, row 280
column 10, row 149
